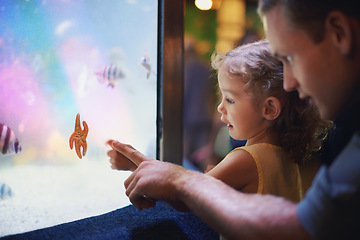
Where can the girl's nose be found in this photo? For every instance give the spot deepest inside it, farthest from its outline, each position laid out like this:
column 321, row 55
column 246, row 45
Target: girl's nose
column 220, row 108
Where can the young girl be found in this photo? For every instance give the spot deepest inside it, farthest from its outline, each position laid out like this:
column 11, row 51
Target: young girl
column 281, row 130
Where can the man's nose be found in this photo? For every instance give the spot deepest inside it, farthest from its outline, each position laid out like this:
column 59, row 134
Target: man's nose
column 290, row 82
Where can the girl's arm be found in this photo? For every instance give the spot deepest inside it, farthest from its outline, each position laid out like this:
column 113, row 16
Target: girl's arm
column 238, row 170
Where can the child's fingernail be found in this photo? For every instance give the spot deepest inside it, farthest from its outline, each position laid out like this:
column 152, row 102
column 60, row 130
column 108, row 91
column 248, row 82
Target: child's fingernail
column 115, row 143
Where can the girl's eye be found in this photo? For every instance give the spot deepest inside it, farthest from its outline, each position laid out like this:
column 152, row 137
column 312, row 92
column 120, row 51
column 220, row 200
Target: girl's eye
column 229, row 101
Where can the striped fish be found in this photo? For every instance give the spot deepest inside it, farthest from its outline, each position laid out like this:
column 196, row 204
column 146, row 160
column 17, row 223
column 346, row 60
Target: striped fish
column 9, row 144
column 109, row 74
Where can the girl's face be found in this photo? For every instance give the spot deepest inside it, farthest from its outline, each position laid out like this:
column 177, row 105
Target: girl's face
column 244, row 120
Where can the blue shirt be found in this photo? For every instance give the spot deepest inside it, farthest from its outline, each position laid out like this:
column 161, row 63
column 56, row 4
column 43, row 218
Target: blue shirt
column 331, row 207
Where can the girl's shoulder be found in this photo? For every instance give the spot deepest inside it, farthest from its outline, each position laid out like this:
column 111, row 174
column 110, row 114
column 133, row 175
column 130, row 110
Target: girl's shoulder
column 239, row 163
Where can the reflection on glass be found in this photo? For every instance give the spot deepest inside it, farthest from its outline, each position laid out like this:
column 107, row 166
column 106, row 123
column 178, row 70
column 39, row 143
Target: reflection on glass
column 57, row 59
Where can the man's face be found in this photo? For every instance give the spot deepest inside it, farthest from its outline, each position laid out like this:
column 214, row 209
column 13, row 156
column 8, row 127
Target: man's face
column 313, row 69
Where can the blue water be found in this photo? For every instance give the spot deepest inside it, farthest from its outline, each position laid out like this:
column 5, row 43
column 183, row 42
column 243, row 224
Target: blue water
column 49, row 52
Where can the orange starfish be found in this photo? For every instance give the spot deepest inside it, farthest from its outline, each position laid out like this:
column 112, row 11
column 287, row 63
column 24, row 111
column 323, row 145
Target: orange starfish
column 79, row 137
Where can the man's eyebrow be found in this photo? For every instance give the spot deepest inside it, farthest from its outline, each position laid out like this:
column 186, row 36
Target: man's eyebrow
column 278, row 56
column 275, row 54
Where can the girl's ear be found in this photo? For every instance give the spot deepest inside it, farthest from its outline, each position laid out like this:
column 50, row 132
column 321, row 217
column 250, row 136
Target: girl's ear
column 272, row 108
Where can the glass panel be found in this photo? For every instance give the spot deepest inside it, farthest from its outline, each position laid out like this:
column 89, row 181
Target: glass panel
column 97, row 58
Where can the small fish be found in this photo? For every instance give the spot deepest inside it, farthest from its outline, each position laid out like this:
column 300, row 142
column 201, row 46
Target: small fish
column 9, row 144
column 5, row 191
column 109, row 74
column 145, row 62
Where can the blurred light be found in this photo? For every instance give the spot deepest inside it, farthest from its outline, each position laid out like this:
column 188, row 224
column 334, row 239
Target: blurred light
column 216, row 4
column 203, row 4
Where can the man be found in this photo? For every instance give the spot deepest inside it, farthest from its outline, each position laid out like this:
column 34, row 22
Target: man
column 319, row 44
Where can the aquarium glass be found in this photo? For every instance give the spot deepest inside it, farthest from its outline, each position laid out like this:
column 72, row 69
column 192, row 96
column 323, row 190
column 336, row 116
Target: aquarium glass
column 95, row 58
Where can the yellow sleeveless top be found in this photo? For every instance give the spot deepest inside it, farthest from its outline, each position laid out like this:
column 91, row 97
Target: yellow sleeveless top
column 277, row 173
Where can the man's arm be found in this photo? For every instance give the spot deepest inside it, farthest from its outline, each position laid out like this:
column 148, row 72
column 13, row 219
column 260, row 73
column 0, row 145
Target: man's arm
column 233, row 214
column 237, row 215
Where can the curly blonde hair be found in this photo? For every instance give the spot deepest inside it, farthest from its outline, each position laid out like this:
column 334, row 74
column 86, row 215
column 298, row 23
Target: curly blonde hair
column 299, row 124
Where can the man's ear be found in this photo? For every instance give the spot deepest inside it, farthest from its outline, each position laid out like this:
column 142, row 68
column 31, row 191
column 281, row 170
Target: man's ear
column 339, row 27
column 271, row 108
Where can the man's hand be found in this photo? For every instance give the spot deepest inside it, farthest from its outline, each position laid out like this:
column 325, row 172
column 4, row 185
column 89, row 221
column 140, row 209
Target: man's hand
column 154, row 180
column 119, row 161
